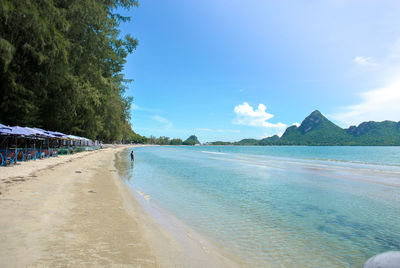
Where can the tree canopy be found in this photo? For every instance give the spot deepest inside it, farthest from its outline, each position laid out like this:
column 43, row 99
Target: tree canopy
column 61, row 65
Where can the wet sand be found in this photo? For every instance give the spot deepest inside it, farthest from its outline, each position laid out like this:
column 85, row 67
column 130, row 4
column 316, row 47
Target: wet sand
column 75, row 211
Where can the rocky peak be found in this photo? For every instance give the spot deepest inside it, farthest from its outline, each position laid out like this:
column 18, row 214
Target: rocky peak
column 312, row 121
column 192, row 140
column 362, row 128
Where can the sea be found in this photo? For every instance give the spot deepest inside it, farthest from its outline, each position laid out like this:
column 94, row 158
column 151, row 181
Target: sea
column 277, row 206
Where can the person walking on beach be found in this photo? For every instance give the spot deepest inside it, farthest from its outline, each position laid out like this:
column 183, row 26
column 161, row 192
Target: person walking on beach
column 132, row 156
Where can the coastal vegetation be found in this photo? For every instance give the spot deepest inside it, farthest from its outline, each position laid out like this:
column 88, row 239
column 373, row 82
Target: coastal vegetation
column 61, row 67
column 316, row 129
column 163, row 140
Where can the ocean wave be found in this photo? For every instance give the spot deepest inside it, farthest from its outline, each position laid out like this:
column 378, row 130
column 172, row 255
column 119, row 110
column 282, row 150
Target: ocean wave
column 208, row 152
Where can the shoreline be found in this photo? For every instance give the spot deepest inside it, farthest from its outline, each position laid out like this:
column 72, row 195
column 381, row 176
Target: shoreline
column 76, row 210
column 184, row 246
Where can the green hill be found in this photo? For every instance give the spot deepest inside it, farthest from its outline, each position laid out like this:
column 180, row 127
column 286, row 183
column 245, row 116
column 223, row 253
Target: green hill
column 247, row 142
column 192, row 140
column 316, row 129
column 375, row 133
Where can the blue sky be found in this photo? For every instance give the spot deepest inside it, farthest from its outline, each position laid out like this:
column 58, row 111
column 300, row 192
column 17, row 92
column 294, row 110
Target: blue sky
column 227, row 70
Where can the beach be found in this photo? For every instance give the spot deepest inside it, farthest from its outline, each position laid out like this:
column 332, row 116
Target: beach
column 173, row 207
column 75, row 211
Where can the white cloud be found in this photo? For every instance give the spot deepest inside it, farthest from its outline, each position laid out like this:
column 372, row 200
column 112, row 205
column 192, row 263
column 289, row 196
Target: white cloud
column 365, row 61
column 377, row 105
column 280, row 133
column 204, row 129
column 248, row 116
column 162, row 120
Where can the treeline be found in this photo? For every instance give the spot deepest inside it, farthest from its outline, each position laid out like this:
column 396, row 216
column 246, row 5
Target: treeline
column 61, row 65
column 136, row 138
column 163, row 140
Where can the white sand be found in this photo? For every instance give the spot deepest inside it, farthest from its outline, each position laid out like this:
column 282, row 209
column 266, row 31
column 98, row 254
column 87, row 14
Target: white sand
column 75, row 211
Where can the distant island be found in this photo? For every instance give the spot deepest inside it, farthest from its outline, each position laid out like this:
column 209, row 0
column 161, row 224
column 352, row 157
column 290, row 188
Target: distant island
column 317, row 130
column 192, row 140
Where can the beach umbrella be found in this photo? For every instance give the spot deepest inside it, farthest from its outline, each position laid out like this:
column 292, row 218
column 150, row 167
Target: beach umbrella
column 54, row 134
column 73, row 137
column 21, row 131
column 41, row 133
column 4, row 130
column 4, row 126
column 57, row 134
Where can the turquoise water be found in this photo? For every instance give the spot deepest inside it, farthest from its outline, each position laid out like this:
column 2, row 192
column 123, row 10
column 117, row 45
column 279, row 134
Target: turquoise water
column 280, row 206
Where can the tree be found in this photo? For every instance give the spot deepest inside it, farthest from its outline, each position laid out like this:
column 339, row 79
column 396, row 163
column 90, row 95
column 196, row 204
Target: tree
column 61, row 64
column 175, row 142
column 163, row 140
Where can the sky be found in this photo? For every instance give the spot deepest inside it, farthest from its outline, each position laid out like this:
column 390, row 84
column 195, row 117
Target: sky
column 227, row 69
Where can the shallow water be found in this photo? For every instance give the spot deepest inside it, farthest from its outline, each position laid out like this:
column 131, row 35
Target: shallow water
column 285, row 206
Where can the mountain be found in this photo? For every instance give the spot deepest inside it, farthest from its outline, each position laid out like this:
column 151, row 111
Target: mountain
column 376, row 133
column 316, row 129
column 192, row 140
column 269, row 141
column 274, row 140
column 247, row 142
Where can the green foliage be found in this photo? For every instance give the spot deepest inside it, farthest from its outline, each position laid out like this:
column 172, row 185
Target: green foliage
column 192, row 140
column 220, row 143
column 270, row 140
column 136, row 138
column 316, row 129
column 247, row 142
column 176, row 142
column 375, row 133
column 60, row 66
column 163, row 140
column 152, row 140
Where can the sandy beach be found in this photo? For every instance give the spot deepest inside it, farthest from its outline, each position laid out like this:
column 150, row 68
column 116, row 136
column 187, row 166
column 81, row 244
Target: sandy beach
column 75, row 211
